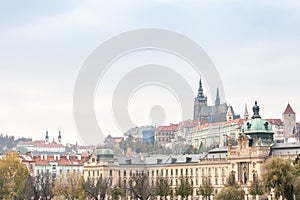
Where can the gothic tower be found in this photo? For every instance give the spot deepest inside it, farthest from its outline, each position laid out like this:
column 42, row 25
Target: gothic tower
column 217, row 101
column 289, row 121
column 229, row 114
column 200, row 101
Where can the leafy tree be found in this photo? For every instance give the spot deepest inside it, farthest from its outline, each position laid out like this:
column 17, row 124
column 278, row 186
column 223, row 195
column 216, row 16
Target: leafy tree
column 256, row 188
column 205, row 189
column 117, row 192
column 13, row 175
column 230, row 182
column 232, row 190
column 279, row 176
column 70, row 186
column 96, row 187
column 231, row 193
column 184, row 189
column 163, row 187
column 140, row 188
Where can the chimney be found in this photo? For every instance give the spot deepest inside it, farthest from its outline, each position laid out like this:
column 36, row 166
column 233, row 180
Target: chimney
column 173, row 160
column 79, row 157
column 58, row 157
column 45, row 156
column 128, row 161
column 42, row 157
column 68, row 157
column 54, row 157
column 188, row 159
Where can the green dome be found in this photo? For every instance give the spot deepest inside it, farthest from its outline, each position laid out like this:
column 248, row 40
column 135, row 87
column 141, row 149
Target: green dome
column 258, row 131
column 257, row 125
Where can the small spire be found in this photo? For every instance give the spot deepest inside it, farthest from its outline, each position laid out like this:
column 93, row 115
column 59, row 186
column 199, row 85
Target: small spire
column 217, row 101
column 246, row 114
column 255, row 111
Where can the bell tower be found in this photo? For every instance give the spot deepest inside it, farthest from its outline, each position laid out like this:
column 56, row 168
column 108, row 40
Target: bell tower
column 199, row 102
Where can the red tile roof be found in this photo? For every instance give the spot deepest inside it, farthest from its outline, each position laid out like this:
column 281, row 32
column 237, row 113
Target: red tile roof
column 236, row 121
column 278, row 122
column 289, row 110
column 171, row 127
column 73, row 160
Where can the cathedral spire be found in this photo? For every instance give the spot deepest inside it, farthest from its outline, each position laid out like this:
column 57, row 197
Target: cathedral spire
column 217, row 101
column 200, row 95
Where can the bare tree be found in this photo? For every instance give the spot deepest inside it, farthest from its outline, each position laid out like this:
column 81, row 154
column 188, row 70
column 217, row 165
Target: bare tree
column 140, row 187
column 97, row 189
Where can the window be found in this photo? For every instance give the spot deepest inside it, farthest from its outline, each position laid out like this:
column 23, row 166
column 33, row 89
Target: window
column 171, row 172
column 152, row 173
column 216, row 181
column 176, row 172
column 202, row 171
column 130, row 173
column 209, row 171
column 124, row 173
column 186, row 171
column 110, row 172
column 192, row 171
column 60, row 171
column 216, row 172
column 38, row 171
column 223, row 172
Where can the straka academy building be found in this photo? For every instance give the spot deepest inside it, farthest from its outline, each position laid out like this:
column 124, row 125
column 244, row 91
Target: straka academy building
column 255, row 144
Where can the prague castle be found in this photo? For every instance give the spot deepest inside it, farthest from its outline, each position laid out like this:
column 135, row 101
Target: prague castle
column 217, row 113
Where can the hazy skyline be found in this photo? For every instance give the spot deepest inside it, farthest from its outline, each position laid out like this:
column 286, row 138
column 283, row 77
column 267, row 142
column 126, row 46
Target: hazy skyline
column 255, row 47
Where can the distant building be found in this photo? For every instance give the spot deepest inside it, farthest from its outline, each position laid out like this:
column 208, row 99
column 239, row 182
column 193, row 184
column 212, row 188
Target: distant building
column 277, row 126
column 137, row 132
column 217, row 113
column 148, row 136
column 110, row 141
column 165, row 134
column 289, row 122
column 42, row 146
column 212, row 135
column 58, row 164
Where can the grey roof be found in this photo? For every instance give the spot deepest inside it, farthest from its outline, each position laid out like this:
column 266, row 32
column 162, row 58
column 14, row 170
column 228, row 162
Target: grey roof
column 159, row 159
column 217, row 153
column 285, row 149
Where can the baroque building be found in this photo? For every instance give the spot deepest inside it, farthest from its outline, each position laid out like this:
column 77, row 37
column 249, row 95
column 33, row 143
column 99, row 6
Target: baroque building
column 216, row 113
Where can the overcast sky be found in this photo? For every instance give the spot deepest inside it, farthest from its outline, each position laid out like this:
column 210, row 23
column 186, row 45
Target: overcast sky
column 43, row 44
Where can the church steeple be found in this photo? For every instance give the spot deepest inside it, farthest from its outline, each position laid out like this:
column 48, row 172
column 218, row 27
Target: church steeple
column 47, row 137
column 200, row 95
column 59, row 137
column 217, row 101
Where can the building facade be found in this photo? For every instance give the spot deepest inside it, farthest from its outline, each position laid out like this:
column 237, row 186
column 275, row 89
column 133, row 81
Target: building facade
column 244, row 160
